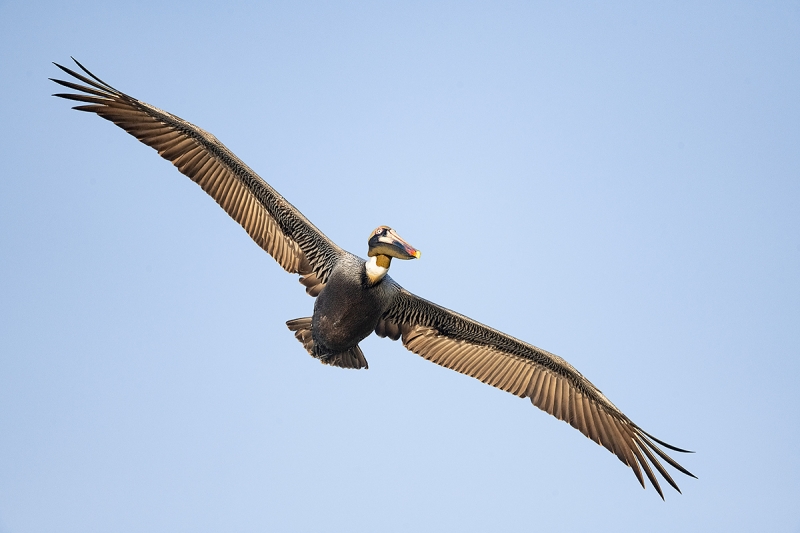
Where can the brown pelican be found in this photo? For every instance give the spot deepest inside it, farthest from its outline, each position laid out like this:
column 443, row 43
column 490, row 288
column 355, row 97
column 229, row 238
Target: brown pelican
column 355, row 297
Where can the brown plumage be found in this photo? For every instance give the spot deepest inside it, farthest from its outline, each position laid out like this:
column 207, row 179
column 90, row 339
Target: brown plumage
column 356, row 297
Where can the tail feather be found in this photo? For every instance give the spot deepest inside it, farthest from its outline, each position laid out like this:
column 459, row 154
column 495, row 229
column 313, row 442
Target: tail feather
column 302, row 332
column 351, row 358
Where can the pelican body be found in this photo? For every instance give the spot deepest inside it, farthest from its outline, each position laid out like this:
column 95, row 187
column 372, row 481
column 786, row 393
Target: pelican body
column 355, row 297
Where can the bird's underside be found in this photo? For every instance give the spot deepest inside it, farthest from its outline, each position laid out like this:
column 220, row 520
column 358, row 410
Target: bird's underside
column 355, row 297
column 350, row 358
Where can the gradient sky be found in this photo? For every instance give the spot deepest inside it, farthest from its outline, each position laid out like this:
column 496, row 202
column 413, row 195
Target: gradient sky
column 618, row 184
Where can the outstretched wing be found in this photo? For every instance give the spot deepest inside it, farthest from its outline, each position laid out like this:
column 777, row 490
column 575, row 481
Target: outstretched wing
column 553, row 385
column 273, row 223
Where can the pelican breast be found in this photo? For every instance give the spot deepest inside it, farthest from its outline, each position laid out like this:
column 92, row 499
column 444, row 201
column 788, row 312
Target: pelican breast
column 349, row 307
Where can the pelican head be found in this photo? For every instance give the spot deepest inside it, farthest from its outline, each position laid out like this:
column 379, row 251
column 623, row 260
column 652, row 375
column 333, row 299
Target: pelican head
column 384, row 244
column 385, row 241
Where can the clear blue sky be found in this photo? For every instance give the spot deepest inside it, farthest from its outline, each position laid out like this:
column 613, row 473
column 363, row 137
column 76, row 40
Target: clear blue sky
column 618, row 184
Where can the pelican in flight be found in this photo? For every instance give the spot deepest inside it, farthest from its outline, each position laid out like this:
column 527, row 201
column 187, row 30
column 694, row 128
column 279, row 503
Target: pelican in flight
column 355, row 297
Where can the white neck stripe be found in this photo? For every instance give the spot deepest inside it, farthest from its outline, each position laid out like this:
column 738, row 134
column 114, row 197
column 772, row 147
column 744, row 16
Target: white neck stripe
column 375, row 273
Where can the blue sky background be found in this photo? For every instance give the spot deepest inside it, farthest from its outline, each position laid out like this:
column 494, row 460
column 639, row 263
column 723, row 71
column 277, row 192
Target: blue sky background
column 618, row 184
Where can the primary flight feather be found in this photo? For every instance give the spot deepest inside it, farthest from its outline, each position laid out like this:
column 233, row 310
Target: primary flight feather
column 355, row 297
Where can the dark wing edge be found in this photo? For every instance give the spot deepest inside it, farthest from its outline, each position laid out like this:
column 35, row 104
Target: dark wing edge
column 271, row 221
column 459, row 343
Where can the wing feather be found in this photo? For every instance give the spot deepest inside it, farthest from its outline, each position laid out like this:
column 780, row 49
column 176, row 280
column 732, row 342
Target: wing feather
column 466, row 346
column 272, row 222
column 523, row 378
